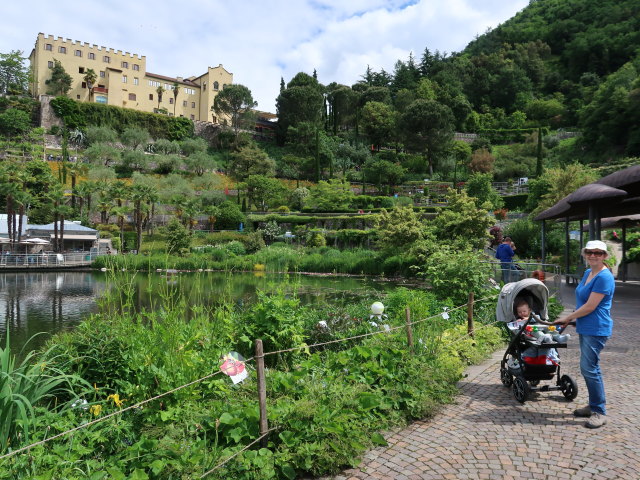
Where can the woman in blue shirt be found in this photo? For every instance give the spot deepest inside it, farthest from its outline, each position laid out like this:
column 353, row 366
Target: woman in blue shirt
column 594, row 325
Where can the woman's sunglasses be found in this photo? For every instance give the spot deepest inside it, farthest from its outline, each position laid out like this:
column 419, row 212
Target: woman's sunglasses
column 596, row 253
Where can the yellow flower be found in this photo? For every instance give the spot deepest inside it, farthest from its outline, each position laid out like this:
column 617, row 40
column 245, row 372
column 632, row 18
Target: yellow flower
column 95, row 387
column 95, row 410
column 116, row 399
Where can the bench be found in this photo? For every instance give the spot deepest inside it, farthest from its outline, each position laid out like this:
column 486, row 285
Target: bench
column 574, row 278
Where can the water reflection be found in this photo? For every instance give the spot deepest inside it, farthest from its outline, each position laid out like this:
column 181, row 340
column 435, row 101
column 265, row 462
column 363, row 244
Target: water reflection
column 35, row 302
column 51, row 302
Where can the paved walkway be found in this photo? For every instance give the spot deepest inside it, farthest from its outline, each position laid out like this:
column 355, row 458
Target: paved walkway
column 487, row 434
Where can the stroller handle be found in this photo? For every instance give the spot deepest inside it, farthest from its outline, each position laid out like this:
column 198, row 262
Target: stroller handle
column 561, row 329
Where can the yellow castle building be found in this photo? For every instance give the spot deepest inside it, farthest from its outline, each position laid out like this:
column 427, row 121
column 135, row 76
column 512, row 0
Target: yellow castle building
column 123, row 80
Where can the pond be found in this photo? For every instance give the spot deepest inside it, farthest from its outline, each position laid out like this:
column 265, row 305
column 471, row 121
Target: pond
column 41, row 304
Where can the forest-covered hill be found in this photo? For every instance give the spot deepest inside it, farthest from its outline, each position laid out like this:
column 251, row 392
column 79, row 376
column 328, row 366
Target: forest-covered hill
column 557, row 63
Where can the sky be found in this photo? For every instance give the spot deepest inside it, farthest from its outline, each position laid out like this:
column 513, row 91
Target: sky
column 260, row 42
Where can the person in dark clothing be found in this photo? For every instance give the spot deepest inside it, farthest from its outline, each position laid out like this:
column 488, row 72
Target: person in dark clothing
column 505, row 254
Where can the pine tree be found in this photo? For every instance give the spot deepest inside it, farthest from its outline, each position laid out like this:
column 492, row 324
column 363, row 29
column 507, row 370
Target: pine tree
column 60, row 81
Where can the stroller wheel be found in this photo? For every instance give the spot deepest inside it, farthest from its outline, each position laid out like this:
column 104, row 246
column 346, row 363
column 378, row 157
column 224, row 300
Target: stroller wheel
column 568, row 387
column 534, row 383
column 505, row 377
column 521, row 389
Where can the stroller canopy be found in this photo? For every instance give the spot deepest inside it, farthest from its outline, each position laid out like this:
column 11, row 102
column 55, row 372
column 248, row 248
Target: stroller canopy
column 532, row 290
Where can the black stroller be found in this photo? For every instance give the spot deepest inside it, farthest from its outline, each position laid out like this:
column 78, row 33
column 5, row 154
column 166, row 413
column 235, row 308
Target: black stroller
column 528, row 360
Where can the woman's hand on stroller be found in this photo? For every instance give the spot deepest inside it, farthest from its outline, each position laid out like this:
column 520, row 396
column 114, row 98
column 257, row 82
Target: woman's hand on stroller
column 564, row 322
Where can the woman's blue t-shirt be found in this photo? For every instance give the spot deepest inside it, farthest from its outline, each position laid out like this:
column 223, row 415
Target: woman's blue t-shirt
column 598, row 322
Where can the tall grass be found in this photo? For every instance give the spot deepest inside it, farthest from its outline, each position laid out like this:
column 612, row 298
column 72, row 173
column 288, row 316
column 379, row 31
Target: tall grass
column 24, row 385
column 276, row 258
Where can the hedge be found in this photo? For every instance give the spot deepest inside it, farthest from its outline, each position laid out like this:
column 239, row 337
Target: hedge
column 516, row 202
column 82, row 114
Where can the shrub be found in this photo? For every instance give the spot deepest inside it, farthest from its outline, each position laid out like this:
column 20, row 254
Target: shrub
column 178, row 238
column 253, row 242
column 315, row 239
column 454, row 274
column 235, row 247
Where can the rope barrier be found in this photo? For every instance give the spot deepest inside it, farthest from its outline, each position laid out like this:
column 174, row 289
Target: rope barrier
column 140, row 404
column 101, row 419
column 391, row 329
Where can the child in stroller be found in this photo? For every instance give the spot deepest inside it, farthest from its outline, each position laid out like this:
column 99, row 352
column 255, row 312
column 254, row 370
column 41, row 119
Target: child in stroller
column 531, row 355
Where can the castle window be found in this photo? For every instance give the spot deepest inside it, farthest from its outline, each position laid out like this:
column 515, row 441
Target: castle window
column 106, row 59
column 125, row 64
column 132, row 96
column 78, row 53
column 216, row 85
column 170, row 101
column 62, row 49
column 92, row 56
column 193, row 117
column 193, row 104
column 136, row 80
column 84, row 84
column 80, row 69
column 151, row 96
column 184, row 103
column 48, row 47
column 136, row 66
column 50, row 64
column 102, row 74
column 124, row 79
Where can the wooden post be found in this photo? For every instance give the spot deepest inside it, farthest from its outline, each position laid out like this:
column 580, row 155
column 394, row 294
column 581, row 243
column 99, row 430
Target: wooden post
column 470, row 315
column 262, row 391
column 409, row 330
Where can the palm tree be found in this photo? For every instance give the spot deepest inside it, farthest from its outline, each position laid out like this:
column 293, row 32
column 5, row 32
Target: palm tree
column 23, row 199
column 119, row 191
column 176, row 89
column 192, row 209
column 75, row 170
column 159, row 91
column 121, row 215
column 140, row 193
column 152, row 199
column 9, row 189
column 84, row 190
column 104, row 206
column 90, row 78
column 57, row 196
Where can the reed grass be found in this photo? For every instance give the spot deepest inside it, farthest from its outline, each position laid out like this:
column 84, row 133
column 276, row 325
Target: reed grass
column 24, row 385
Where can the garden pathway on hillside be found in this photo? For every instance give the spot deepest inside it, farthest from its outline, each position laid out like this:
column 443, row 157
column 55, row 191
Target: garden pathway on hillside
column 487, row 434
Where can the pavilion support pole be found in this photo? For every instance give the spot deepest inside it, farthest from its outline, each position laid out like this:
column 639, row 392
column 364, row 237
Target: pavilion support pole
column 543, row 234
column 566, row 245
column 624, row 251
column 598, row 228
column 592, row 222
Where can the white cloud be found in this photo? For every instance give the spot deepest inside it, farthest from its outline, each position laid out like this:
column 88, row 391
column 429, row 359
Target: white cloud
column 260, row 42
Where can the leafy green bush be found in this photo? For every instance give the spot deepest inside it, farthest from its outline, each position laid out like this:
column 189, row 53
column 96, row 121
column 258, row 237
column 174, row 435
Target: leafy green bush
column 454, row 274
column 178, row 238
column 315, row 239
